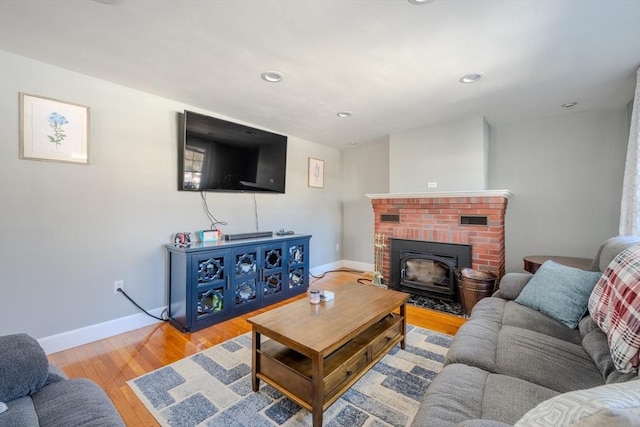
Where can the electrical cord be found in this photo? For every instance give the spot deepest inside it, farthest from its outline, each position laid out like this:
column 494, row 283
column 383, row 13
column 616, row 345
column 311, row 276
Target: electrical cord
column 142, row 309
column 212, row 219
column 255, row 210
column 344, row 270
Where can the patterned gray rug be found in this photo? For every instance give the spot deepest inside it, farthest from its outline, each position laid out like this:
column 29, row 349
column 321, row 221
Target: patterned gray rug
column 213, row 388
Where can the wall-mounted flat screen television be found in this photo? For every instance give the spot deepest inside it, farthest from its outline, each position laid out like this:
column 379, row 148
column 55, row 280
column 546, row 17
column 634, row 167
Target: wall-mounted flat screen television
column 218, row 155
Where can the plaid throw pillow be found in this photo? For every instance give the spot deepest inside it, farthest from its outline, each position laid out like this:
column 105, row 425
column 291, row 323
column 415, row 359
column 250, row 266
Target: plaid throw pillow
column 614, row 305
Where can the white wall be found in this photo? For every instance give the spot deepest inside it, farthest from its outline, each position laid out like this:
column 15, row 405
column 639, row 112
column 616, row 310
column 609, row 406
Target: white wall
column 68, row 231
column 565, row 174
column 451, row 154
column 365, row 170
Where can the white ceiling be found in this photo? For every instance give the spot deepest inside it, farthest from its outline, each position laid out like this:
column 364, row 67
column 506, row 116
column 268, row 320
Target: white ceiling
column 394, row 65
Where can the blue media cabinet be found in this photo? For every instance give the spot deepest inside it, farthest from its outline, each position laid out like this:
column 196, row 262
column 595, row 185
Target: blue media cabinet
column 210, row 282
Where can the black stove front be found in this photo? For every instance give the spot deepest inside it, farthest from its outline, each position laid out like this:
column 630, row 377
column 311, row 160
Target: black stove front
column 427, row 268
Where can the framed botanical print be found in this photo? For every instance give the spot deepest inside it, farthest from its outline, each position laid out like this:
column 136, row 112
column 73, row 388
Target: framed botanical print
column 316, row 173
column 53, row 130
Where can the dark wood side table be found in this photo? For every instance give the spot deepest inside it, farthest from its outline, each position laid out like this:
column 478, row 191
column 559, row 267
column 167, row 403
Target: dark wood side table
column 533, row 262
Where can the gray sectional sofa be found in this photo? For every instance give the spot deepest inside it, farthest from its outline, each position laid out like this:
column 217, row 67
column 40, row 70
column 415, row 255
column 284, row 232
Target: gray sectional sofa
column 35, row 393
column 509, row 358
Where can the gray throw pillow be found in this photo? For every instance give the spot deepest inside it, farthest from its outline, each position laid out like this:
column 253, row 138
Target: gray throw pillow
column 560, row 292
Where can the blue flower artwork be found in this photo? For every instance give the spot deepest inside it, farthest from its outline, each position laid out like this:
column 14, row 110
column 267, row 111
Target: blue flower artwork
column 56, row 121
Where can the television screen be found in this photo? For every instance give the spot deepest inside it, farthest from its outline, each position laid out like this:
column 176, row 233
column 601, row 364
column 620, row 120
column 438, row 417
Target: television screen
column 217, row 155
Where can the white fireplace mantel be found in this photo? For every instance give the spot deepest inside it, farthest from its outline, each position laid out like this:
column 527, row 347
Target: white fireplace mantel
column 442, row 194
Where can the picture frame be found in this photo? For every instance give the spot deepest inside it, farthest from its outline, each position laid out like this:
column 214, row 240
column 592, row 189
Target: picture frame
column 316, row 173
column 53, row 130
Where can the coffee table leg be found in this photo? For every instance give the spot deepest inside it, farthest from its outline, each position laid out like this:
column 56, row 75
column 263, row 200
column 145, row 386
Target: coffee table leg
column 403, row 313
column 255, row 347
column 317, row 369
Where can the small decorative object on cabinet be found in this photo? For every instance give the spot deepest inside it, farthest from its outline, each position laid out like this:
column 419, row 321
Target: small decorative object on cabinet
column 210, row 282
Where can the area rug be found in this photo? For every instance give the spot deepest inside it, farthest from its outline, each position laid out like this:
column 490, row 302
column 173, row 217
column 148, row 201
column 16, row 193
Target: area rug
column 213, row 388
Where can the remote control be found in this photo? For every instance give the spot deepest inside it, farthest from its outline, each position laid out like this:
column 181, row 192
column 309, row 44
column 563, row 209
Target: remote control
column 284, row 233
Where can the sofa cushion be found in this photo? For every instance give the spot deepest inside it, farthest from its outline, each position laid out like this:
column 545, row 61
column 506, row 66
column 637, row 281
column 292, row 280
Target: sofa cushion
column 24, row 366
column 20, row 413
column 560, row 292
column 75, row 402
column 460, row 393
column 614, row 308
column 542, row 354
column 608, row 405
column 524, row 317
column 476, row 341
column 544, row 360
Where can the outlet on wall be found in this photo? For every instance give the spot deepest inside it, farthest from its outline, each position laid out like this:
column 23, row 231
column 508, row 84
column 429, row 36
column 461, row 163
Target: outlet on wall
column 432, row 184
column 118, row 284
column 337, row 247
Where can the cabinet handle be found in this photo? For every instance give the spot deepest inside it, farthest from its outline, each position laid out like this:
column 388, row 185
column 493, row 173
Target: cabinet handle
column 228, row 279
column 261, row 275
column 349, row 373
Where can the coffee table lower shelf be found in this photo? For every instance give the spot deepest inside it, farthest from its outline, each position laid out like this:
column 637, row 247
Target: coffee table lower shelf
column 291, row 372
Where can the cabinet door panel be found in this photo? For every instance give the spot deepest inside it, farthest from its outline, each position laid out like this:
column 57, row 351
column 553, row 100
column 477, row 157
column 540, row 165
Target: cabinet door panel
column 244, row 283
column 210, row 302
column 245, row 292
column 272, row 257
column 272, row 284
column 210, row 293
column 272, row 270
column 297, row 253
column 297, row 266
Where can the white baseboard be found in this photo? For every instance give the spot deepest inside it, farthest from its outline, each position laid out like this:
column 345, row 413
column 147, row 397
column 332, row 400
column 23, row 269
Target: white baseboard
column 87, row 334
column 355, row 265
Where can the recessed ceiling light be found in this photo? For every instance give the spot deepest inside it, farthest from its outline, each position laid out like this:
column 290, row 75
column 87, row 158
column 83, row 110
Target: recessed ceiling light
column 570, row 104
column 471, row 78
column 419, row 2
column 344, row 114
column 352, row 143
column 272, row 76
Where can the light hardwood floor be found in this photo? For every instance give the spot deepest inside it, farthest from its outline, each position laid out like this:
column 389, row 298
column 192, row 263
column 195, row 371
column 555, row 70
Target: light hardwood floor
column 111, row 362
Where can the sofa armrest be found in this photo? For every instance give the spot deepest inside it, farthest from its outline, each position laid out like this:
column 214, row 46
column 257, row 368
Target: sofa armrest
column 24, row 366
column 512, row 284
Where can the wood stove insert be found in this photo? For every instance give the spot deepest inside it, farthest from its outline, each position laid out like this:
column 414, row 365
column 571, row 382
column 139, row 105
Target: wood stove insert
column 427, row 268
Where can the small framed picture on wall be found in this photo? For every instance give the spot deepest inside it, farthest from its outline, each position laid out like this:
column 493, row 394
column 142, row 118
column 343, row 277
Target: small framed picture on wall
column 316, row 173
column 53, row 130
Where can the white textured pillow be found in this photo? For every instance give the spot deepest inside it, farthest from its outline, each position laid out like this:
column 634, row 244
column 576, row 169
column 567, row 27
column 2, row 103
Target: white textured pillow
column 611, row 405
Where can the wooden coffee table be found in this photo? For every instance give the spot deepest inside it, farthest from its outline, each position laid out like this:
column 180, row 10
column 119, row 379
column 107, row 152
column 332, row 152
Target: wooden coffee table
column 317, row 352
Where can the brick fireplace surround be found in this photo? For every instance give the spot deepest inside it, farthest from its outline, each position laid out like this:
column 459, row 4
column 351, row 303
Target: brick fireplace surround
column 441, row 217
